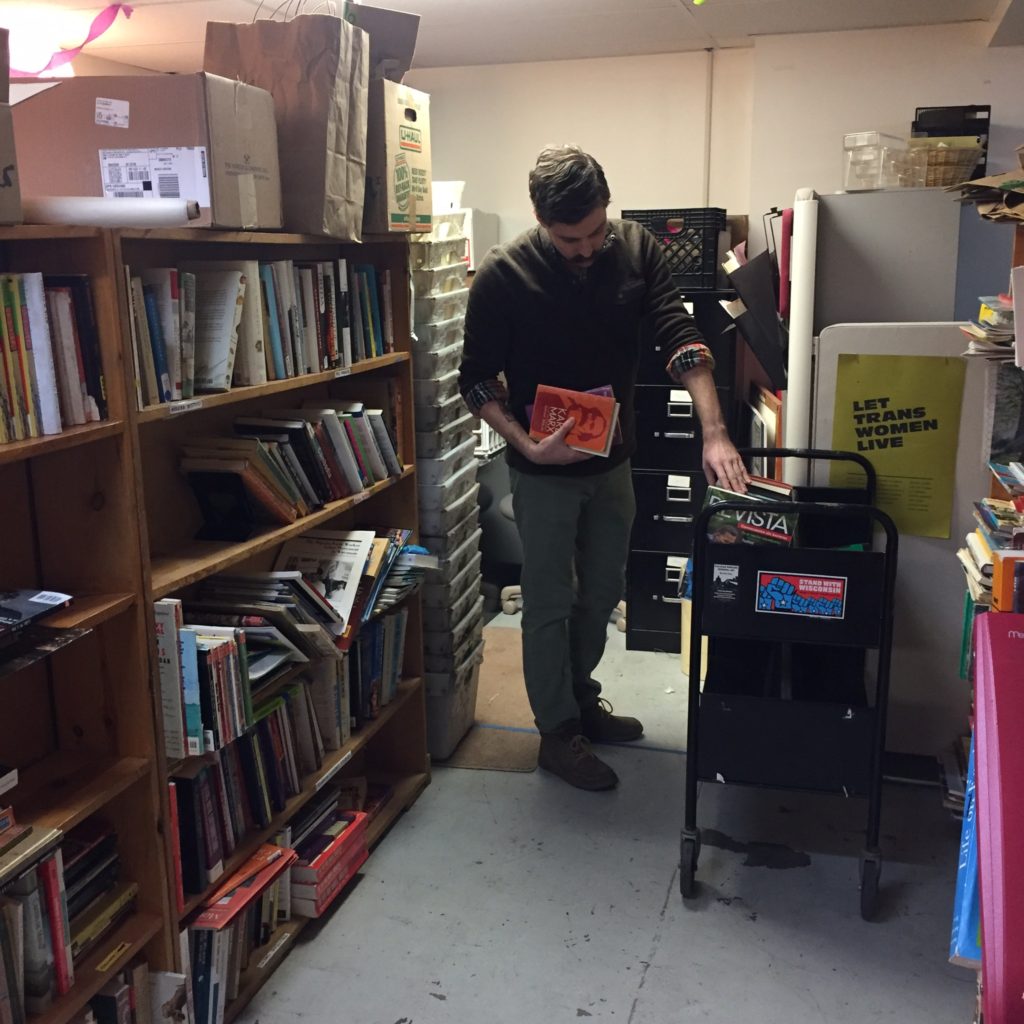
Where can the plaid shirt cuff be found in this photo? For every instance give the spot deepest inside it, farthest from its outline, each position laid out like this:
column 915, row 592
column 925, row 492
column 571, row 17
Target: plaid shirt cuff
column 687, row 358
column 486, row 391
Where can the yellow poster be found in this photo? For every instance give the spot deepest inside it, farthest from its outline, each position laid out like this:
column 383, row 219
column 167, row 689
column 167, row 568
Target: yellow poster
column 902, row 413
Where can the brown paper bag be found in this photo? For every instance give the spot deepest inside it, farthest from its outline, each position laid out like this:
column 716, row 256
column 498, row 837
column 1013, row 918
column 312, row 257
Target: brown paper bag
column 316, row 67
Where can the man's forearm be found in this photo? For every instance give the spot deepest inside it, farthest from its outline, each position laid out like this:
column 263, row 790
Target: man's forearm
column 498, row 415
column 701, row 386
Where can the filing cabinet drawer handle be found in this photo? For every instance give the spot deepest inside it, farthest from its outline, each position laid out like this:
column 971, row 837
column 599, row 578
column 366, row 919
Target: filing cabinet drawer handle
column 669, row 600
column 680, row 410
column 678, row 435
column 683, row 494
column 674, row 519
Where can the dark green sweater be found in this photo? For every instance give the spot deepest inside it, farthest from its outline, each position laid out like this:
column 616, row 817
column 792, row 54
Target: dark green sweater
column 537, row 321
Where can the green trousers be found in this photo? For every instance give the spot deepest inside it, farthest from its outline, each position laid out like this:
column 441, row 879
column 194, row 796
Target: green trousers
column 575, row 536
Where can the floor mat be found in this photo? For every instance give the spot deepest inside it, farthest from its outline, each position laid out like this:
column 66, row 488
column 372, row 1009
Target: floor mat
column 503, row 737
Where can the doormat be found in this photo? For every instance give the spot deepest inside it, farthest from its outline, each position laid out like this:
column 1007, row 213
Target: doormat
column 503, row 737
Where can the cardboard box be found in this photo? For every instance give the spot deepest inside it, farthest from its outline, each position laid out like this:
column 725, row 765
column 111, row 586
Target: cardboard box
column 398, row 171
column 10, row 190
column 191, row 136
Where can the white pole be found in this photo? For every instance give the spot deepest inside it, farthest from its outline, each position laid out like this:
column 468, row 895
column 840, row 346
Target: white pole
column 799, row 381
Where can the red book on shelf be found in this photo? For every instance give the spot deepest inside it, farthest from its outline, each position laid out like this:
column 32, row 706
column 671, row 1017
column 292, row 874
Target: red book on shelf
column 244, row 886
column 51, row 877
column 595, row 417
column 172, row 803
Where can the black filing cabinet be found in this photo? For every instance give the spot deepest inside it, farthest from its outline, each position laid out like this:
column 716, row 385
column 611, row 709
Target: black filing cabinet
column 668, row 479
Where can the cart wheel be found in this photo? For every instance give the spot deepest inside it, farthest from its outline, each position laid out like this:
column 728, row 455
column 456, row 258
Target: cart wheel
column 689, row 855
column 870, row 871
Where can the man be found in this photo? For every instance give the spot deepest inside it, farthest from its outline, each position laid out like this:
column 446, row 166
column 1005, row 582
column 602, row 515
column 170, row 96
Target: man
column 562, row 305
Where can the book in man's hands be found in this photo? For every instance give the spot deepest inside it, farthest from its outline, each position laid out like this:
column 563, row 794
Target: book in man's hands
column 596, row 416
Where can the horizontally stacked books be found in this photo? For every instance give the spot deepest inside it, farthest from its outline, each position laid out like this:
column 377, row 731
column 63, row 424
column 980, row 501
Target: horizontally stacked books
column 446, row 473
column 991, row 335
column 285, row 463
column 51, row 369
column 213, row 325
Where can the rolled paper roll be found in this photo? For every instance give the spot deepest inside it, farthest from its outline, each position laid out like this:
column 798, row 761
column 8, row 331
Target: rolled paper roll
column 98, row 211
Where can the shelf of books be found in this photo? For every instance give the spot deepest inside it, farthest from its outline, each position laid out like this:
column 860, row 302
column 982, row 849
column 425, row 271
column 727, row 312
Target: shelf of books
column 272, row 412
column 83, row 887
column 210, row 521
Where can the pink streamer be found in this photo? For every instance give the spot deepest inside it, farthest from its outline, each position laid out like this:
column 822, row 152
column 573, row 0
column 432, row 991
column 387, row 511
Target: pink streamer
column 100, row 24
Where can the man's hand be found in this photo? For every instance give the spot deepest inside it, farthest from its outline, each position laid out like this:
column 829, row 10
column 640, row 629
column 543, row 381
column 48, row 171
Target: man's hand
column 553, row 451
column 723, row 465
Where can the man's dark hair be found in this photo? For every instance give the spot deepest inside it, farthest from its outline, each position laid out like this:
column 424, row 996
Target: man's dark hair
column 566, row 185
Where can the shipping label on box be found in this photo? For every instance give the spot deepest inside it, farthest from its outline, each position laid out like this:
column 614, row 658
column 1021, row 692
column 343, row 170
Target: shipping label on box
column 398, row 196
column 176, row 173
column 10, row 187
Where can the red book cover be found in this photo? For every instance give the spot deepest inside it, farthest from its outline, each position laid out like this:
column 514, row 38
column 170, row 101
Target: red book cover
column 595, row 418
column 172, row 804
column 244, row 886
column 51, row 877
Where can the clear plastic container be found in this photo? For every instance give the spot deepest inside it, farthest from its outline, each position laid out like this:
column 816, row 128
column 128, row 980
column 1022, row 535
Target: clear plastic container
column 440, row 496
column 436, row 471
column 449, row 224
column 870, row 161
column 428, row 255
column 430, row 337
column 439, row 280
column 433, row 309
column 434, row 390
column 436, row 362
column 446, row 544
column 440, row 595
column 432, row 444
column 436, row 417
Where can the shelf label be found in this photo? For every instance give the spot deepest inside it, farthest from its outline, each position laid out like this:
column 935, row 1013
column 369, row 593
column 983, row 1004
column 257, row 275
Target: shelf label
column 358, row 499
column 331, row 772
column 185, row 405
column 274, row 950
column 112, row 957
column 342, row 371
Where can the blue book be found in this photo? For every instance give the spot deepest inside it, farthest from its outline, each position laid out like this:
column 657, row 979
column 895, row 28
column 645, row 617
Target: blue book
column 190, row 691
column 269, row 296
column 156, row 337
column 370, row 273
column 965, row 941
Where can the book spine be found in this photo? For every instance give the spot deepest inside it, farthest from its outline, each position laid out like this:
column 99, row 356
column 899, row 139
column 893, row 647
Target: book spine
column 150, row 383
column 175, row 827
column 210, row 828
column 187, row 320
column 51, row 875
column 156, row 339
column 29, row 369
column 12, row 374
column 168, row 661
column 38, row 332
column 22, row 360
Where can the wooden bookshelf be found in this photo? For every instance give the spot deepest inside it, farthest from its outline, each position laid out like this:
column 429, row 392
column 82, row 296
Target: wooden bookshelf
column 73, row 437
column 394, row 744
column 408, row 690
column 187, row 406
column 116, row 951
column 103, row 513
column 204, row 558
column 79, row 724
column 66, row 787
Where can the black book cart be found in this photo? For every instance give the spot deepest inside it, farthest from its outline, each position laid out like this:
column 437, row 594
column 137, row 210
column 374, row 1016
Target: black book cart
column 789, row 700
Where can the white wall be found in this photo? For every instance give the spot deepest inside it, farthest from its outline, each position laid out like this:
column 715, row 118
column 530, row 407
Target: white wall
column 643, row 118
column 809, row 90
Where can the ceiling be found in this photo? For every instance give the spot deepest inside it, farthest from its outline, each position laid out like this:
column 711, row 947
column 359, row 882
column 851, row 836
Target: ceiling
column 167, row 35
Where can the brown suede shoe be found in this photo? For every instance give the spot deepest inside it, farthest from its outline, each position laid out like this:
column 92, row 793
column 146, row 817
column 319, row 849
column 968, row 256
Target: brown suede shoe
column 599, row 725
column 570, row 758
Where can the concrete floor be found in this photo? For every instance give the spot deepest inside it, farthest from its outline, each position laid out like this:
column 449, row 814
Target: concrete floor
column 515, row 899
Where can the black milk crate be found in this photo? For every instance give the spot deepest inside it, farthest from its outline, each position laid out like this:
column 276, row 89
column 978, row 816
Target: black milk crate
column 689, row 240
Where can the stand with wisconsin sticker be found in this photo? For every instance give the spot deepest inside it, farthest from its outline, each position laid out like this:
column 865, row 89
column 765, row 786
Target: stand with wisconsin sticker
column 799, row 640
